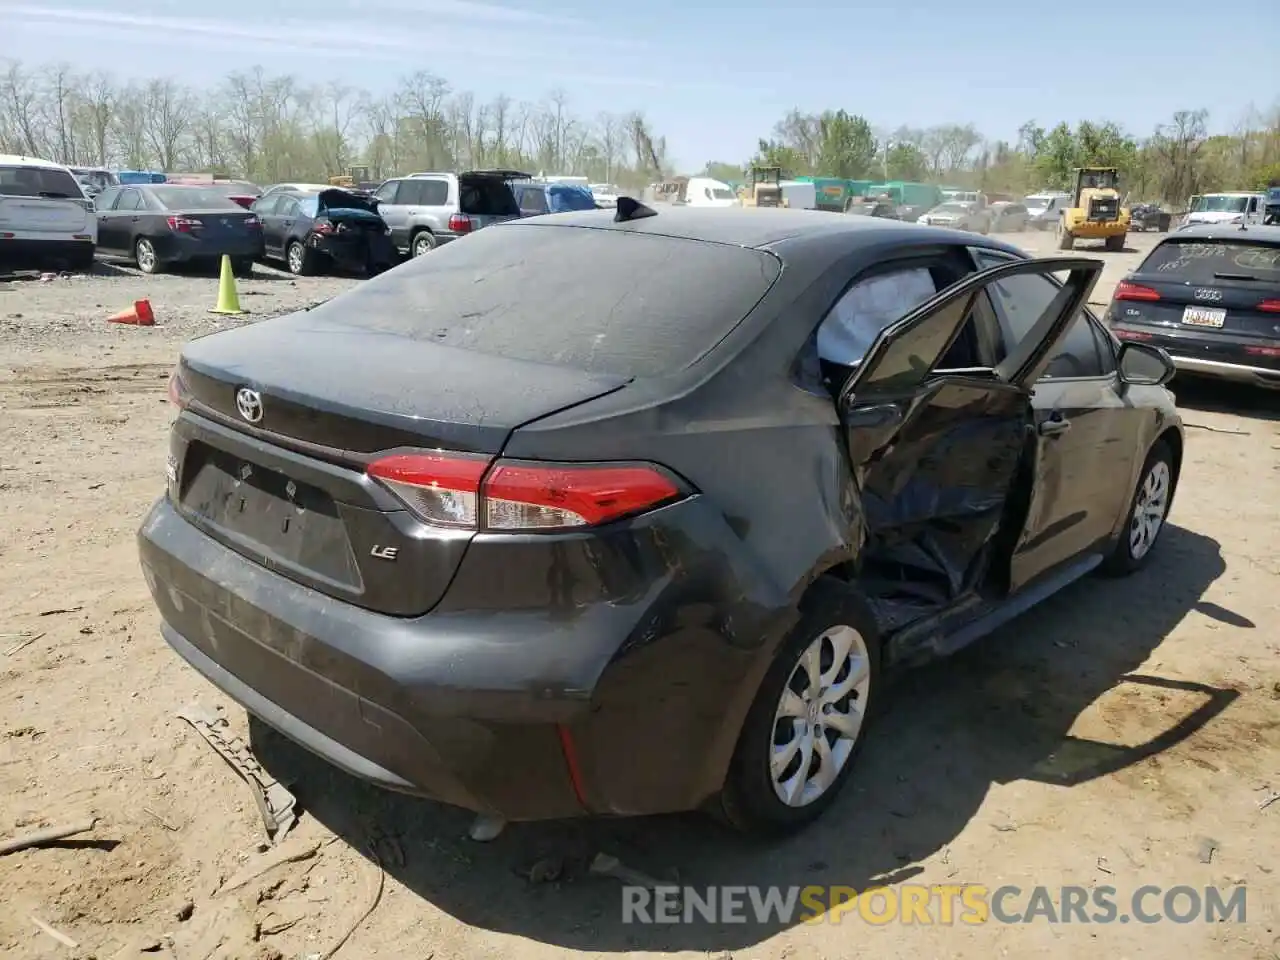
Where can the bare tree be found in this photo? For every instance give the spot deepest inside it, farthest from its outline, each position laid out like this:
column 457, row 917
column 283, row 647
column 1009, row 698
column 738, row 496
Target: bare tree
column 167, row 108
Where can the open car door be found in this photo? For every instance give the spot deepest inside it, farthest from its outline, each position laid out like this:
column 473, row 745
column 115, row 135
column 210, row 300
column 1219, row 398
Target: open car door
column 937, row 452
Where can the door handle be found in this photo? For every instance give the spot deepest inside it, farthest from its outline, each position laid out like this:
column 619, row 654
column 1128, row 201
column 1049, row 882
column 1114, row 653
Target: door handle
column 1054, row 426
column 135, row 219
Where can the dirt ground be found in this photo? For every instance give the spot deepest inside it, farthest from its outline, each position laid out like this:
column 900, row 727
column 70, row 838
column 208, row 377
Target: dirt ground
column 1124, row 733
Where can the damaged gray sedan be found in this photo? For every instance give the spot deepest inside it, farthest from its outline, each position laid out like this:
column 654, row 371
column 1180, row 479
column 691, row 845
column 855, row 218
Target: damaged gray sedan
column 633, row 512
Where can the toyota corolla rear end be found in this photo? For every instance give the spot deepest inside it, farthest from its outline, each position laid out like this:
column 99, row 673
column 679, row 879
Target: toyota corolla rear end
column 344, row 549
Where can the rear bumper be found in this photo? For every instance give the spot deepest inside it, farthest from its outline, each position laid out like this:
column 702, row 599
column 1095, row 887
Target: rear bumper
column 1224, row 357
column 366, row 251
column 24, row 248
column 185, row 249
column 501, row 700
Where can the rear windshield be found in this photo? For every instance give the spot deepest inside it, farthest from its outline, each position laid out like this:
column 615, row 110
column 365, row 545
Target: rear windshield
column 602, row 301
column 25, row 181
column 193, row 198
column 486, row 197
column 1203, row 261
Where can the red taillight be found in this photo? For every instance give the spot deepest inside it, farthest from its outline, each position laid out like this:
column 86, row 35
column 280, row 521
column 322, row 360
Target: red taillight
column 1263, row 351
column 183, row 224
column 177, row 390
column 322, row 227
column 1270, row 306
column 1131, row 335
column 465, row 491
column 1134, row 291
column 460, row 223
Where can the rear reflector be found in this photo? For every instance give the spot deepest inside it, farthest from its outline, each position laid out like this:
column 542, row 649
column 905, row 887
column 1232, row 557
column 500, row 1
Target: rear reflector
column 1270, row 306
column 1263, row 351
column 460, row 490
column 1134, row 291
column 1131, row 335
column 177, row 390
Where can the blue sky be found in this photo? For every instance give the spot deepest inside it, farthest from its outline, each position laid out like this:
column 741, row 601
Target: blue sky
column 711, row 81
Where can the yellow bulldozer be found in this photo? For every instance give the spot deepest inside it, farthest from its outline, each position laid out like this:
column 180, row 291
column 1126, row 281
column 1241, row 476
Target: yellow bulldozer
column 764, row 188
column 352, row 178
column 1095, row 212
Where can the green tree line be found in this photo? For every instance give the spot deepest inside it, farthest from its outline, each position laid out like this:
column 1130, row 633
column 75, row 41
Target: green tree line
column 271, row 128
column 1178, row 158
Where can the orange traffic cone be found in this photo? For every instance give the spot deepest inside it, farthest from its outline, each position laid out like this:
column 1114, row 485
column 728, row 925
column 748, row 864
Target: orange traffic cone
column 139, row 315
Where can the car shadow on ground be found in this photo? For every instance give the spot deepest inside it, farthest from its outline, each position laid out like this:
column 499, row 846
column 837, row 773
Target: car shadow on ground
column 1000, row 711
column 1223, row 396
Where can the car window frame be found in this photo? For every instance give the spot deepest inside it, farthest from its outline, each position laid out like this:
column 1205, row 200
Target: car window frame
column 395, row 190
column 950, row 259
column 1104, row 342
column 128, row 192
column 108, row 194
column 427, row 184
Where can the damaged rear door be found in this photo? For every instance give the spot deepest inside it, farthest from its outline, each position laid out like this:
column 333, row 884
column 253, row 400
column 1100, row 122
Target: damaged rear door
column 936, row 452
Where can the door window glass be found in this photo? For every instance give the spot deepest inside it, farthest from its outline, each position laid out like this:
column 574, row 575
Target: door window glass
column 130, row 200
column 868, row 307
column 387, row 192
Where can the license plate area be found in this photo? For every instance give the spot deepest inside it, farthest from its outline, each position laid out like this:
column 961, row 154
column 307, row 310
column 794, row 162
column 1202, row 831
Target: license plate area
column 267, row 515
column 1204, row 316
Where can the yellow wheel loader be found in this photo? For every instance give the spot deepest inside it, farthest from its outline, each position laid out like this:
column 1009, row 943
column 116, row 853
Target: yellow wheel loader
column 765, row 188
column 1095, row 212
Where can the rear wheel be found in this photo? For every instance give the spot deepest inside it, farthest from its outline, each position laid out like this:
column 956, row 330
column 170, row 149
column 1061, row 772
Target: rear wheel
column 1147, row 513
column 424, row 241
column 1065, row 240
column 144, row 254
column 300, row 259
column 807, row 722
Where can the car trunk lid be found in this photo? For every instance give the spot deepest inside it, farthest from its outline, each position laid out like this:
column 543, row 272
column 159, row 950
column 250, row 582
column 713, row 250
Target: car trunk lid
column 43, row 214
column 219, row 223
column 282, row 481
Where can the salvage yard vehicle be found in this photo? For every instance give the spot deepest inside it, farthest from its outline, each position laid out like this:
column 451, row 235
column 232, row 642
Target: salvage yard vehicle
column 426, row 210
column 536, row 199
column 764, row 188
column 159, row 225
column 45, row 217
column 1095, row 212
column 1231, row 207
column 239, row 191
column 958, row 215
column 1008, row 217
column 499, row 561
column 1210, row 296
column 1044, row 210
column 316, row 231
column 1149, row 216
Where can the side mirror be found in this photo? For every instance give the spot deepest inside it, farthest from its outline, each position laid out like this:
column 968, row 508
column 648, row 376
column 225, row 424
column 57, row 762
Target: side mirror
column 1144, row 365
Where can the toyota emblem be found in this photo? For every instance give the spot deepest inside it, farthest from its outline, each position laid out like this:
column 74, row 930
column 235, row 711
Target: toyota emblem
column 249, row 403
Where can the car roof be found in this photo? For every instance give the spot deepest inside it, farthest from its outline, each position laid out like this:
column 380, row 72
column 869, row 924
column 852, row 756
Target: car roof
column 1227, row 231
column 776, row 229
column 20, row 160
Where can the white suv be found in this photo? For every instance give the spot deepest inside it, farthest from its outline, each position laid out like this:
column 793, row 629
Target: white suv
column 44, row 215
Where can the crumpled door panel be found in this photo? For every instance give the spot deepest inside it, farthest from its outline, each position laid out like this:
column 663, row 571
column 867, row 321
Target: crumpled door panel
column 934, row 497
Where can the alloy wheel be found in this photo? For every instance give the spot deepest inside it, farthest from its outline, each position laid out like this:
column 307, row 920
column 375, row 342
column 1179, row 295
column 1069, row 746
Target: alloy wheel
column 819, row 715
column 295, row 258
column 1149, row 509
column 145, row 254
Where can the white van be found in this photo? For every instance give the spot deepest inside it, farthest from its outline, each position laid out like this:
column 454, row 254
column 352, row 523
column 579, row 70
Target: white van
column 1044, row 210
column 706, row 192
column 44, row 215
column 1233, row 207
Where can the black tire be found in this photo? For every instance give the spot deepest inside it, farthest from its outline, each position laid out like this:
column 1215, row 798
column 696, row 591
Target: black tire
column 242, row 267
column 82, row 261
column 1115, row 244
column 300, row 259
column 145, row 256
column 422, row 242
column 749, row 802
column 1065, row 240
column 1122, row 560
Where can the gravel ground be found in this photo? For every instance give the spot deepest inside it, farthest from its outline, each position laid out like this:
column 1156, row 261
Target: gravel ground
column 1065, row 750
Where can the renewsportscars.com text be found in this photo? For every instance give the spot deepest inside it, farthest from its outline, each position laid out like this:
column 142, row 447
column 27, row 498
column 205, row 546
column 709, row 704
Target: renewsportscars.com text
column 937, row 904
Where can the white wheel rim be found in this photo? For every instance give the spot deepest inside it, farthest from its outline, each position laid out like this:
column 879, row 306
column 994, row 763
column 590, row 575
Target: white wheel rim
column 1149, row 509
column 295, row 258
column 146, row 255
column 819, row 716
column 421, row 246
